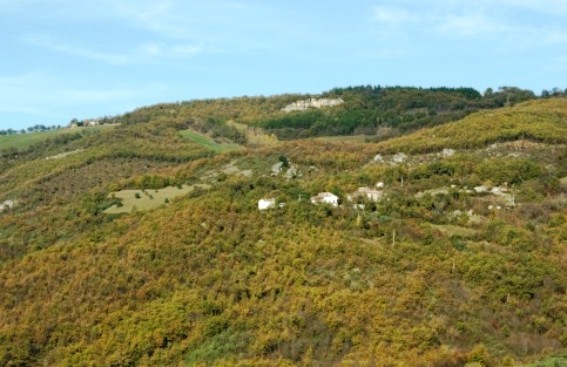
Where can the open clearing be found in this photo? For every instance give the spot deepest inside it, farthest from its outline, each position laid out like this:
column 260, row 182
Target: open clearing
column 208, row 143
column 254, row 135
column 149, row 199
column 451, row 230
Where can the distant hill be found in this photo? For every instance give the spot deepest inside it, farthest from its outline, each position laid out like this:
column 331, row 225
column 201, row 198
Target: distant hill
column 456, row 258
column 365, row 109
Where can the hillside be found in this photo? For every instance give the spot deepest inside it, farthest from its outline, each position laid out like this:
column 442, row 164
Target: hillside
column 539, row 121
column 362, row 110
column 142, row 244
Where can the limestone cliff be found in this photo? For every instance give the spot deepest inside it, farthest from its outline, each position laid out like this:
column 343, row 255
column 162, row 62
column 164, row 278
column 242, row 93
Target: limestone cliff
column 312, row 103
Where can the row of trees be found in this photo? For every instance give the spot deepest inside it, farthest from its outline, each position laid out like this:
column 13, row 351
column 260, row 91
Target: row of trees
column 31, row 129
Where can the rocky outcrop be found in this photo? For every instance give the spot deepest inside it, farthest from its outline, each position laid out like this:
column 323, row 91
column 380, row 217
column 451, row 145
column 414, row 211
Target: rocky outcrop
column 8, row 204
column 399, row 158
column 312, row 103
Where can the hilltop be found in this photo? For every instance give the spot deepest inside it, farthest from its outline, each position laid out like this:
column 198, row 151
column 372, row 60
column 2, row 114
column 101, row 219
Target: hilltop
column 142, row 244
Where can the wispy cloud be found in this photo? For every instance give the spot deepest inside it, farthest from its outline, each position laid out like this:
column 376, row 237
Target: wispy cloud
column 156, row 50
column 147, row 52
column 506, row 19
column 38, row 93
column 56, row 45
column 556, row 36
column 469, row 24
column 555, row 7
column 393, row 15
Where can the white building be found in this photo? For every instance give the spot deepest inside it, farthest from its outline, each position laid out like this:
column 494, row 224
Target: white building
column 325, row 198
column 265, row 204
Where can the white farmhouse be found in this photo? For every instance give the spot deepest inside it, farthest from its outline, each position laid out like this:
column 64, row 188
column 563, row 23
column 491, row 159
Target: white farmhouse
column 265, row 204
column 325, row 198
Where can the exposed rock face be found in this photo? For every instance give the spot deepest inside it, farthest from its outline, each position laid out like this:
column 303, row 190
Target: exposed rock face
column 293, row 172
column 8, row 204
column 399, row 158
column 325, row 198
column 277, row 168
column 446, row 153
column 366, row 193
column 312, row 103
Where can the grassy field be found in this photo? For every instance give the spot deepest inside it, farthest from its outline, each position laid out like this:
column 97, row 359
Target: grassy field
column 141, row 200
column 208, row 142
column 22, row 141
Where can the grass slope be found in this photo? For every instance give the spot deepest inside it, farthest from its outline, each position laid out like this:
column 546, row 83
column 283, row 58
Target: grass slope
column 23, row 141
column 542, row 121
column 209, row 143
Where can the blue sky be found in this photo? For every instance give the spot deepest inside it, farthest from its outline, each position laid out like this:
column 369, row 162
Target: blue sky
column 64, row 59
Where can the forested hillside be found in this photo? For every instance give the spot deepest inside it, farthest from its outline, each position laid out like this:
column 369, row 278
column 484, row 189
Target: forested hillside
column 365, row 109
column 457, row 258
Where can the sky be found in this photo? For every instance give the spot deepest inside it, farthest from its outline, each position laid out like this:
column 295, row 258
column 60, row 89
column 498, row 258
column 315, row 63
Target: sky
column 65, row 59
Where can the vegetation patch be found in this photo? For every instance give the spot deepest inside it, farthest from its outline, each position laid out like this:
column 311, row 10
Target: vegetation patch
column 551, row 362
column 209, row 143
column 141, row 200
column 452, row 230
column 254, row 135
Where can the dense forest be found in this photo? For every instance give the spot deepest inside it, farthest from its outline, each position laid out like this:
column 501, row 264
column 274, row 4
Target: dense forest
column 457, row 260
